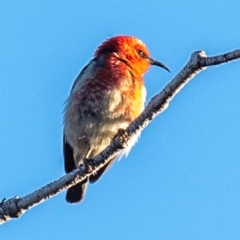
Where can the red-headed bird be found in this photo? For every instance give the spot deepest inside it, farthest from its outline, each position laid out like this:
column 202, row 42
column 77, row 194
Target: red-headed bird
column 108, row 94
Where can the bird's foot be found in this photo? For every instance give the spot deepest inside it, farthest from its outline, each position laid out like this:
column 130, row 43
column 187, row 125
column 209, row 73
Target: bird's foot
column 123, row 136
column 88, row 165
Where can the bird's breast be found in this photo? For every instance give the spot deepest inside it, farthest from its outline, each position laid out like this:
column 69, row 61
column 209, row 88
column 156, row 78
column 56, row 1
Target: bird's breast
column 113, row 92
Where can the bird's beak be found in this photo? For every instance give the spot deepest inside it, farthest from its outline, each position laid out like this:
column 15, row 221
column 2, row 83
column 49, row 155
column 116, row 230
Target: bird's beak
column 157, row 63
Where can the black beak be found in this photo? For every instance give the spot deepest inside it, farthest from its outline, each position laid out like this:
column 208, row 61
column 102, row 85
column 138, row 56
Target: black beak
column 157, row 63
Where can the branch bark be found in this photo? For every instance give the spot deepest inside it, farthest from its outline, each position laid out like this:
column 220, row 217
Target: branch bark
column 15, row 207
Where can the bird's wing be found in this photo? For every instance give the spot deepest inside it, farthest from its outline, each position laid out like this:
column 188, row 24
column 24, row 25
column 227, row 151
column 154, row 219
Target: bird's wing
column 94, row 177
column 69, row 163
column 68, row 153
column 80, row 78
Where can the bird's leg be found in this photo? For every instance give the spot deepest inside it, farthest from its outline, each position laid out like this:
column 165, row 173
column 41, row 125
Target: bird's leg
column 89, row 165
column 123, row 136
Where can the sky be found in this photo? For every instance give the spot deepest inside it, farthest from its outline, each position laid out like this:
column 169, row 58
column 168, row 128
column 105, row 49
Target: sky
column 182, row 179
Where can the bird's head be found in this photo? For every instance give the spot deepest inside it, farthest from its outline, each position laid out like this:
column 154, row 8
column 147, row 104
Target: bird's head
column 131, row 51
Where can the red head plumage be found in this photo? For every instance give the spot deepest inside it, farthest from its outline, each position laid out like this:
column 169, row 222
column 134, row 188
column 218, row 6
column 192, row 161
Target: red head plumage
column 130, row 50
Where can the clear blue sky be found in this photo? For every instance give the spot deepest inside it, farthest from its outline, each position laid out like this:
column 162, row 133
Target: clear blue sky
column 182, row 179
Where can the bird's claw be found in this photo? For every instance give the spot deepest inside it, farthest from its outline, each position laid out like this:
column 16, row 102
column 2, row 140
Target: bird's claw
column 89, row 168
column 123, row 136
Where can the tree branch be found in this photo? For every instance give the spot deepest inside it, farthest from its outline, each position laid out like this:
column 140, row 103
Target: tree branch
column 15, row 207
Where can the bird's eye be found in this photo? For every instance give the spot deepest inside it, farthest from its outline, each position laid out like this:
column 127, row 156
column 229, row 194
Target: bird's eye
column 141, row 53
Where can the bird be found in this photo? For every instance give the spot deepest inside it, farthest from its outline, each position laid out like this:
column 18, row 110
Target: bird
column 107, row 95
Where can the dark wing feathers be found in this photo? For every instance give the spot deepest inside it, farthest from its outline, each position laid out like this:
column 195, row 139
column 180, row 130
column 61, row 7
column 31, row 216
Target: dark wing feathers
column 93, row 178
column 69, row 163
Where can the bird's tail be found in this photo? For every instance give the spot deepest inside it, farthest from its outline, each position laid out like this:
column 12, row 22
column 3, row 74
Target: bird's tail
column 76, row 193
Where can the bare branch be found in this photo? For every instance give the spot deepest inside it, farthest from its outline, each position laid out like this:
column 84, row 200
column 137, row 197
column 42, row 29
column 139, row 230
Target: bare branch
column 15, row 207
